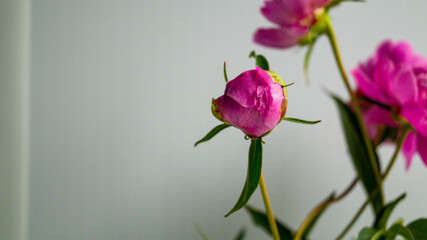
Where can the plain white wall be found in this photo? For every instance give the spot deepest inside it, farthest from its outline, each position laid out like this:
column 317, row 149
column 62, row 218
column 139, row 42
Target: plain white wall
column 121, row 90
column 14, row 117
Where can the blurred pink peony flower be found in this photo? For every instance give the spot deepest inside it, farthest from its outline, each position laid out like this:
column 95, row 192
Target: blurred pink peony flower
column 294, row 17
column 396, row 78
column 255, row 101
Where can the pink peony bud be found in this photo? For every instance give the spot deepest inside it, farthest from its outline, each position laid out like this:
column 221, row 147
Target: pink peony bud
column 396, row 78
column 294, row 19
column 255, row 101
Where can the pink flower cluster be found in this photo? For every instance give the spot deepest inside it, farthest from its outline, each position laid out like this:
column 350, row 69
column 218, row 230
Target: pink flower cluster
column 396, row 78
column 254, row 101
column 294, row 19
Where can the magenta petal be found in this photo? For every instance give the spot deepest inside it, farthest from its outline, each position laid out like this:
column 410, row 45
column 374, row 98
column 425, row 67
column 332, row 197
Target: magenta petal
column 416, row 116
column 280, row 37
column 409, row 148
column 243, row 88
column 422, row 147
column 379, row 115
column 368, row 87
column 247, row 119
column 277, row 12
column 404, row 88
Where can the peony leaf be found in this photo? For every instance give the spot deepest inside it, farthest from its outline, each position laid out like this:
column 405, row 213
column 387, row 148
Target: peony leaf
column 201, row 232
column 260, row 219
column 310, row 226
column 253, row 175
column 241, row 234
column 260, row 61
column 307, row 59
column 366, row 233
column 296, row 120
column 384, row 213
column 212, row 133
column 418, row 228
column 359, row 153
column 398, row 229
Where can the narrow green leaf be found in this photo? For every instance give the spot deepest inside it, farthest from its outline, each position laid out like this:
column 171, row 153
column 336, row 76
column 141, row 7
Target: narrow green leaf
column 241, row 234
column 313, row 222
column 384, row 213
column 398, row 229
column 225, row 72
column 359, row 153
column 307, row 59
column 419, row 228
column 260, row 61
column 201, row 232
column 212, row 133
column 253, row 175
column 260, row 219
column 366, row 233
column 296, row 120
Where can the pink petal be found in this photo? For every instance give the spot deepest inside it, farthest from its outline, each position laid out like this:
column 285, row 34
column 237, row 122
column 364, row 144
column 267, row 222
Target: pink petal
column 416, row 116
column 379, row 115
column 243, row 88
column 368, row 87
column 422, row 147
column 247, row 119
column 280, row 12
column 280, row 37
column 409, row 148
column 404, row 88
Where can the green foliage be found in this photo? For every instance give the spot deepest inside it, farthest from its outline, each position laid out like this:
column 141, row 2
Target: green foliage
column 241, row 234
column 359, row 153
column 253, row 174
column 398, row 229
column 384, row 213
column 212, row 133
column 260, row 219
column 307, row 58
column 225, row 72
column 201, row 232
column 296, row 120
column 418, row 228
column 310, row 226
column 395, row 230
column 366, row 233
column 260, row 61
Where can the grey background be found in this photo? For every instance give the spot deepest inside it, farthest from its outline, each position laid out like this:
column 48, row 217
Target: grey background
column 121, row 90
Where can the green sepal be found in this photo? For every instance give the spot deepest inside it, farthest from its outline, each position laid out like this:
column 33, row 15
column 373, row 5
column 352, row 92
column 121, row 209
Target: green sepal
column 418, row 228
column 316, row 30
column 359, row 153
column 253, row 175
column 337, row 2
column 296, row 120
column 260, row 61
column 385, row 212
column 212, row 133
column 225, row 72
column 260, row 219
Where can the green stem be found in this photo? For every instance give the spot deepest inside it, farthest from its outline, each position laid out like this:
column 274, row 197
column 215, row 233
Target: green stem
column 354, row 101
column 307, row 221
column 384, row 176
column 270, row 216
